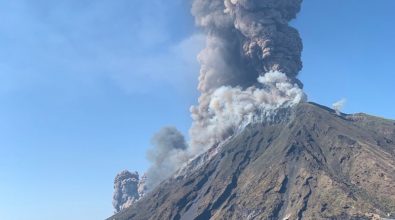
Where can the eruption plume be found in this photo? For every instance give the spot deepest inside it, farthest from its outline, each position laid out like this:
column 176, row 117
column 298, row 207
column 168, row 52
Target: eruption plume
column 248, row 73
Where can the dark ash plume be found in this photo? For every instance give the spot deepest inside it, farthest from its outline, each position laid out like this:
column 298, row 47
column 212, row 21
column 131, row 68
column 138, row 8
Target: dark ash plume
column 166, row 157
column 125, row 190
column 245, row 39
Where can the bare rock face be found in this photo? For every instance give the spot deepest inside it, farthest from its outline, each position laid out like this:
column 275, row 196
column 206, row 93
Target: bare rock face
column 126, row 190
column 316, row 164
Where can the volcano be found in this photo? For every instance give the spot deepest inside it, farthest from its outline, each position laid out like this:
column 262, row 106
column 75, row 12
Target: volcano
column 310, row 163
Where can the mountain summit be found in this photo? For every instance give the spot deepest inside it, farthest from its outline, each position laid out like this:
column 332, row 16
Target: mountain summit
column 315, row 164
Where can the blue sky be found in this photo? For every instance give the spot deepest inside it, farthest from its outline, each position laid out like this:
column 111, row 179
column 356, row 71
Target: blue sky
column 84, row 84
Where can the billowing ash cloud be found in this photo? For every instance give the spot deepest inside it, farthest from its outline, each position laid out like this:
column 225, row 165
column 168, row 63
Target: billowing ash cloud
column 248, row 73
column 167, row 155
column 125, row 190
column 248, row 67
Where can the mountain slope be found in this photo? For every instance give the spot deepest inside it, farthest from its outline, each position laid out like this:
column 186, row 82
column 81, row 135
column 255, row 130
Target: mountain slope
column 313, row 165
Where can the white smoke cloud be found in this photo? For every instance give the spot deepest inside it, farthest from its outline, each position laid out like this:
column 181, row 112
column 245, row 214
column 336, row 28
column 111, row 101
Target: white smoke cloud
column 339, row 105
column 229, row 107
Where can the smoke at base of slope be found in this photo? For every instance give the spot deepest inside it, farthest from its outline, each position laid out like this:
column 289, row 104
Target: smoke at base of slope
column 248, row 72
column 128, row 189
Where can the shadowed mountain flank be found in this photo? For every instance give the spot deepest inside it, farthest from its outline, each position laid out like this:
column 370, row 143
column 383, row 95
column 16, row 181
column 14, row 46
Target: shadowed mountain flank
column 315, row 164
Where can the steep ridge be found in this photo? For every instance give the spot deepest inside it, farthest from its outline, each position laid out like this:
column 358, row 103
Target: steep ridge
column 313, row 165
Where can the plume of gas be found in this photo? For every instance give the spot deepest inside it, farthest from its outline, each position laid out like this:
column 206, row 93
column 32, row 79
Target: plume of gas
column 339, row 105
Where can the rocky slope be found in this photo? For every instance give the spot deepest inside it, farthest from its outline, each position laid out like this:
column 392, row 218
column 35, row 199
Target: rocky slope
column 313, row 165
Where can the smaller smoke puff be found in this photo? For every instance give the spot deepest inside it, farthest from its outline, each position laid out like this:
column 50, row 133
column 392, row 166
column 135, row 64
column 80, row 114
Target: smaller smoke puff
column 339, row 105
column 126, row 191
column 168, row 154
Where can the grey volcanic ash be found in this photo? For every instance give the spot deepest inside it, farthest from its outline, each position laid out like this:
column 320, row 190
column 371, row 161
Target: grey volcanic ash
column 125, row 190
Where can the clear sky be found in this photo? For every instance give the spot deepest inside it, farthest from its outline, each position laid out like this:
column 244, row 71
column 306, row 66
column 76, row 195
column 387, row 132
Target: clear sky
column 84, row 84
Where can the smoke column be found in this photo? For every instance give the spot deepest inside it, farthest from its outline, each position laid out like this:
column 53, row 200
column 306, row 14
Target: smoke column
column 249, row 65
